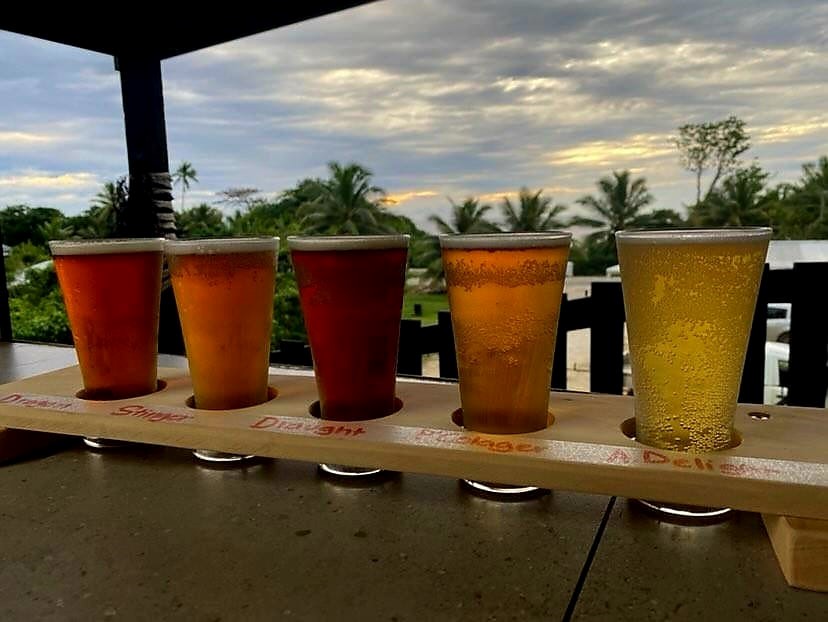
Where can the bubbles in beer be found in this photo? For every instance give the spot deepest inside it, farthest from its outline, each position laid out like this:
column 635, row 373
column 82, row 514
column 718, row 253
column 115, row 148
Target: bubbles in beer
column 692, row 306
column 505, row 306
column 469, row 274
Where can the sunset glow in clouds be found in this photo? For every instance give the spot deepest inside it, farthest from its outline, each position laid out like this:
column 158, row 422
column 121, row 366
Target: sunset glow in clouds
column 454, row 98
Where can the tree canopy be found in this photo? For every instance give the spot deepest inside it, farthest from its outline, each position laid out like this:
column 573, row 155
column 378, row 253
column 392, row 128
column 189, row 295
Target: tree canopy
column 345, row 203
column 714, row 146
column 533, row 212
column 348, row 201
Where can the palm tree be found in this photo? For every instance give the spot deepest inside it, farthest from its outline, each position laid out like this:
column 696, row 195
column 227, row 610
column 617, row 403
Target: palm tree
column 619, row 207
column 200, row 221
column 739, row 201
column 534, row 213
column 184, row 174
column 346, row 203
column 466, row 217
column 56, row 229
column 816, row 174
column 815, row 193
column 798, row 210
column 105, row 208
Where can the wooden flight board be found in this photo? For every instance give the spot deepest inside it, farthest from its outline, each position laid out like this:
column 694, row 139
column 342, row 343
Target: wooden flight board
column 779, row 468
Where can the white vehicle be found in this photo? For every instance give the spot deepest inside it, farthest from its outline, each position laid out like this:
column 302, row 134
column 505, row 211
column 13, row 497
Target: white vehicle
column 779, row 322
column 776, row 368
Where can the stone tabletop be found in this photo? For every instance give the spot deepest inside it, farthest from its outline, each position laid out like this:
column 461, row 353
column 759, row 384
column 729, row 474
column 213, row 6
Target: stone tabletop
column 146, row 533
column 646, row 569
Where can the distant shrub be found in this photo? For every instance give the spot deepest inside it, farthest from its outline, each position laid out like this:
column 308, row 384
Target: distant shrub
column 37, row 310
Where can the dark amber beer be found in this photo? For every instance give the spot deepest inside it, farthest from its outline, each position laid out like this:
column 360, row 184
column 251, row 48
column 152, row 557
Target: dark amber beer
column 224, row 292
column 351, row 291
column 112, row 292
column 504, row 293
column 690, row 296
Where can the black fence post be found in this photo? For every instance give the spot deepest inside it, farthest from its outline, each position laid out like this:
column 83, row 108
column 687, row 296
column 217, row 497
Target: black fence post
column 448, row 356
column 5, row 314
column 410, row 357
column 809, row 336
column 292, row 352
column 606, row 344
column 752, row 389
column 559, row 358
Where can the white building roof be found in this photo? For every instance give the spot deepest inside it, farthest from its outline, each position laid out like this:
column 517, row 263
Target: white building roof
column 784, row 254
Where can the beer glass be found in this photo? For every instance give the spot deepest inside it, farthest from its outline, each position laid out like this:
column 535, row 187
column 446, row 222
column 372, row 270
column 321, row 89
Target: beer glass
column 224, row 292
column 351, row 292
column 504, row 293
column 690, row 296
column 112, row 293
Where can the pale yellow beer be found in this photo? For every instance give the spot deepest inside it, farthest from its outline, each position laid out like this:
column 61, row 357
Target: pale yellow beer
column 504, row 293
column 690, row 296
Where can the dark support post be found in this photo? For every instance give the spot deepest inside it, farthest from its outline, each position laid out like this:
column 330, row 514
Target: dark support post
column 150, row 202
column 410, row 358
column 752, row 390
column 809, row 336
column 559, row 358
column 606, row 344
column 5, row 314
column 779, row 285
column 448, row 356
column 143, row 98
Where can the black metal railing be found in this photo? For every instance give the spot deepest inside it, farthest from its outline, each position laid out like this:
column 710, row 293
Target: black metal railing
column 602, row 313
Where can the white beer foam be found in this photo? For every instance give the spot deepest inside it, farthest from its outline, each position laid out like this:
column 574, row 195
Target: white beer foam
column 221, row 246
column 506, row 240
column 346, row 242
column 106, row 247
column 694, row 236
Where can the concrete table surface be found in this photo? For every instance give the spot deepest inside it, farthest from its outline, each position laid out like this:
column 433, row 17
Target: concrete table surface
column 146, row 533
column 646, row 569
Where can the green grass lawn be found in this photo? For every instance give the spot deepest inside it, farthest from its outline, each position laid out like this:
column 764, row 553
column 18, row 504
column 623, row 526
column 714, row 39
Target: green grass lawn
column 432, row 303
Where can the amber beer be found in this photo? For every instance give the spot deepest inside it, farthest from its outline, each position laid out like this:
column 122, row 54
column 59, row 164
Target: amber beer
column 224, row 292
column 112, row 292
column 351, row 291
column 690, row 297
column 504, row 293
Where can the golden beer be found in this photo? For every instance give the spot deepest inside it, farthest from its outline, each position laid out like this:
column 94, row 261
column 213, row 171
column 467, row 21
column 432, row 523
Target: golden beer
column 690, row 296
column 504, row 293
column 224, row 293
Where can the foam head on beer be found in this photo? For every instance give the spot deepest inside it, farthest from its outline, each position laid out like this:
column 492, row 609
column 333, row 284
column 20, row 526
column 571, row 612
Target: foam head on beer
column 112, row 291
column 690, row 297
column 505, row 293
column 224, row 292
column 351, row 291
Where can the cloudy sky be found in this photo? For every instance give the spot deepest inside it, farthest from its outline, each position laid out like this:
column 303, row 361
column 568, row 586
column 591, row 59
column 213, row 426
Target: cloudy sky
column 439, row 98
